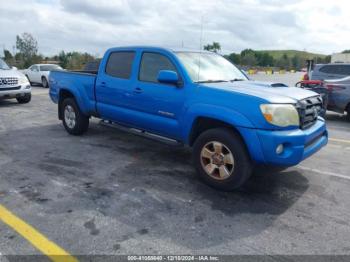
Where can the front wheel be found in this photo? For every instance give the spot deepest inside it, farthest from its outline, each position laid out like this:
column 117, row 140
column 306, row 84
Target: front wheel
column 221, row 159
column 74, row 121
column 24, row 99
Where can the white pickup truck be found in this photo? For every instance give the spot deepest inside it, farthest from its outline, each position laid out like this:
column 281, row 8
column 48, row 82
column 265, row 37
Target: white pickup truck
column 14, row 84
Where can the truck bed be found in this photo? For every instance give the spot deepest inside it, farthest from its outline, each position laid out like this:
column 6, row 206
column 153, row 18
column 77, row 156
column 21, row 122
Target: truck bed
column 80, row 83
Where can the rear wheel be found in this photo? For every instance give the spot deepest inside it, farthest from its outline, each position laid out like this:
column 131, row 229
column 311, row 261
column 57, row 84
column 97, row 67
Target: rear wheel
column 24, row 99
column 221, row 159
column 45, row 82
column 74, row 121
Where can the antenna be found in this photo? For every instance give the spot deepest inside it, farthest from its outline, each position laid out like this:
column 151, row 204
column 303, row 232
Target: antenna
column 200, row 48
column 201, row 35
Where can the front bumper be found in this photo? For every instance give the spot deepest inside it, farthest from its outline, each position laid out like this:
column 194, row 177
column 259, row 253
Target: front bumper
column 298, row 144
column 14, row 92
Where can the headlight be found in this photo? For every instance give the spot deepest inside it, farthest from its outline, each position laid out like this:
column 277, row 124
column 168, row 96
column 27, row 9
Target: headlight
column 23, row 80
column 280, row 114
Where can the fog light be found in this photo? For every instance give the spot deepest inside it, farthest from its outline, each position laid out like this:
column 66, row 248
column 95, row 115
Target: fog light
column 279, row 149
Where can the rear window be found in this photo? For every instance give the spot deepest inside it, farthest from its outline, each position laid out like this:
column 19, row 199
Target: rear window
column 120, row 64
column 336, row 69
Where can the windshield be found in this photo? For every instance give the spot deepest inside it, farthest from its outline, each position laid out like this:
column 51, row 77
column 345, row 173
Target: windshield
column 209, row 67
column 50, row 67
column 3, row 65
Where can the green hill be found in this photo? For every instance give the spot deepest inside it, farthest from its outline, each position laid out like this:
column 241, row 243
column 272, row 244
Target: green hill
column 276, row 54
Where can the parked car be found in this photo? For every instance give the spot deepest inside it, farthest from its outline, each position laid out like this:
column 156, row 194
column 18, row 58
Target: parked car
column 335, row 93
column 39, row 73
column 318, row 87
column 329, row 71
column 13, row 84
column 339, row 95
column 198, row 99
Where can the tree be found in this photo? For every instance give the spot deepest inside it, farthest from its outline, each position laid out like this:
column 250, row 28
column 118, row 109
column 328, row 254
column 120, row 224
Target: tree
column 28, row 48
column 297, row 62
column 8, row 57
column 234, row 58
column 215, row 47
column 74, row 60
column 248, row 57
column 63, row 59
column 264, row 59
column 284, row 62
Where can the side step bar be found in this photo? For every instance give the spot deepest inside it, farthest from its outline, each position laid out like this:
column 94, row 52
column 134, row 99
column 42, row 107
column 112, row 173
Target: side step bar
column 142, row 133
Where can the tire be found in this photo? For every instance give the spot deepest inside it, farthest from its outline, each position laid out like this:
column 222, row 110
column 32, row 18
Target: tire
column 234, row 158
column 44, row 82
column 74, row 121
column 348, row 113
column 24, row 99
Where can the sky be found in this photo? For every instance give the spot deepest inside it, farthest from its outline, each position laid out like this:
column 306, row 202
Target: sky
column 320, row 26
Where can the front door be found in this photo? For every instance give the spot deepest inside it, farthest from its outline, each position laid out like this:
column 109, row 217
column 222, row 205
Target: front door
column 157, row 106
column 34, row 74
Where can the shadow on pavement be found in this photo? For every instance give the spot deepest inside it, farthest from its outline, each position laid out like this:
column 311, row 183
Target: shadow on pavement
column 150, row 187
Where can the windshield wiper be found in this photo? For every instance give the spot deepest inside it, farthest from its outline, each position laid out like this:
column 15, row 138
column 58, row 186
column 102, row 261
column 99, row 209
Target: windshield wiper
column 237, row 79
column 211, row 81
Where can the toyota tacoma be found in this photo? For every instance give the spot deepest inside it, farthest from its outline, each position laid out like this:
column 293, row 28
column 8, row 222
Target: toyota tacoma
column 198, row 99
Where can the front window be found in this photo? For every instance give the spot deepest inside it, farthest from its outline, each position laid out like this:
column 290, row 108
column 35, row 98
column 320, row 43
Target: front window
column 151, row 64
column 3, row 65
column 209, row 67
column 50, row 67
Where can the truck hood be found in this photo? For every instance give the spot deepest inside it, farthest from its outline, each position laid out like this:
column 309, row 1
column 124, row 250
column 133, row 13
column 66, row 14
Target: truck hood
column 10, row 73
column 272, row 92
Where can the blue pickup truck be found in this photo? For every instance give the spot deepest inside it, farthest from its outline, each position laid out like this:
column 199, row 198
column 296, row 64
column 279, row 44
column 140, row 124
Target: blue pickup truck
column 198, row 99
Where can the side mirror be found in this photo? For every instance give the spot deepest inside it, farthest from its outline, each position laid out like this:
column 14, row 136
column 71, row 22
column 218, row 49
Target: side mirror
column 168, row 77
column 14, row 68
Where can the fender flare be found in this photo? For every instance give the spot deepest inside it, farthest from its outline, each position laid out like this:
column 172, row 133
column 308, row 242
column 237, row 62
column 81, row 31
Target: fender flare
column 229, row 116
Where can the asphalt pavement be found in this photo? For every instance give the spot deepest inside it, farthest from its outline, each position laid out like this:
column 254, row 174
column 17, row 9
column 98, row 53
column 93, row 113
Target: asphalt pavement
column 112, row 193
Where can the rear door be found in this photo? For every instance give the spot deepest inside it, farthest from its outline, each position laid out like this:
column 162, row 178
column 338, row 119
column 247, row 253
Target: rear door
column 157, row 107
column 114, row 84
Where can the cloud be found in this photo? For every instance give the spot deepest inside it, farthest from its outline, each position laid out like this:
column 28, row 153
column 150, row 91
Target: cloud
column 93, row 26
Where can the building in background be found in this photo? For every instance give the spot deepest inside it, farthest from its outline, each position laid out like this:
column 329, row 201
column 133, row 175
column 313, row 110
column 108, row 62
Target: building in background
column 341, row 58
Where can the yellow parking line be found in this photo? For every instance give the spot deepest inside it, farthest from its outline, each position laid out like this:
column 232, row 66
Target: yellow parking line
column 39, row 241
column 339, row 140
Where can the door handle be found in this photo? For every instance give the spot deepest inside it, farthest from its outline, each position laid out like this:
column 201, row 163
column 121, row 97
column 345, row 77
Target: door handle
column 138, row 90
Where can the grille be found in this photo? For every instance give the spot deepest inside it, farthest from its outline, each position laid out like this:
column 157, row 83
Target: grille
column 309, row 109
column 9, row 88
column 8, row 81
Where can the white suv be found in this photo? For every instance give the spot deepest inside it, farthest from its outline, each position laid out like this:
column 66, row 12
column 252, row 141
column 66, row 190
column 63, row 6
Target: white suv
column 14, row 84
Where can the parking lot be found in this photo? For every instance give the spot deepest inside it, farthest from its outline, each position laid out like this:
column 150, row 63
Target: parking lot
column 114, row 193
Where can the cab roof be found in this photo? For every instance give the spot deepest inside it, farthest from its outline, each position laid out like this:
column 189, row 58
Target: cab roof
column 169, row 49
